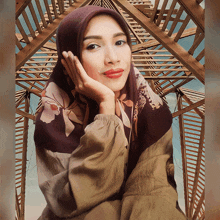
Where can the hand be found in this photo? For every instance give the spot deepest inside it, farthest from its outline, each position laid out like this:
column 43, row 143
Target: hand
column 87, row 86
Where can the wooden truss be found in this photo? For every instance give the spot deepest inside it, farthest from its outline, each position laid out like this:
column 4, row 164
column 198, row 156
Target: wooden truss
column 191, row 123
column 157, row 28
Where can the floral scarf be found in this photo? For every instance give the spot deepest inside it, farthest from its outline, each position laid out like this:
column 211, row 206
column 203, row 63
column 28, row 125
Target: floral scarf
column 64, row 114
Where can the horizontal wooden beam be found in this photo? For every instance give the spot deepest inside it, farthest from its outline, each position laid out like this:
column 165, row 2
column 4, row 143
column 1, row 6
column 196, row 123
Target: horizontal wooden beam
column 25, row 114
column 43, row 37
column 196, row 12
column 169, row 77
column 151, row 43
column 173, row 47
column 32, row 79
column 188, row 108
column 146, row 77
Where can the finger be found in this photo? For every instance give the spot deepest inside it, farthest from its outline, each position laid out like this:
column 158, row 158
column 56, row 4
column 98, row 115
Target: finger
column 69, row 74
column 70, row 67
column 79, row 85
column 64, row 63
column 65, row 56
column 76, row 72
column 67, row 65
column 80, row 69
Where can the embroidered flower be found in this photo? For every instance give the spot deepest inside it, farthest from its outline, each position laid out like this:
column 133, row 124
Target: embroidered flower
column 146, row 93
column 135, row 118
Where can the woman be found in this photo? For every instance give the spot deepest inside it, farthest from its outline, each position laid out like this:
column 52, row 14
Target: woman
column 103, row 138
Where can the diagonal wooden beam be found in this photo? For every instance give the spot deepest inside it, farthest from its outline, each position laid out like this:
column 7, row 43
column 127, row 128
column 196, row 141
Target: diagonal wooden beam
column 25, row 114
column 197, row 171
column 48, row 45
column 46, row 34
column 201, row 114
column 188, row 108
column 34, row 91
column 151, row 43
column 174, row 88
column 196, row 12
column 198, row 208
column 173, row 47
column 20, row 6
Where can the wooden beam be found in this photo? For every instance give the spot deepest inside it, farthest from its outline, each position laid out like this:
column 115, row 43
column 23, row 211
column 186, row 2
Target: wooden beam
column 183, row 151
column 196, row 179
column 187, row 109
column 20, row 6
column 34, row 91
column 24, row 158
column 173, row 47
column 196, row 12
column 25, row 114
column 48, row 45
column 128, row 23
column 168, row 77
column 173, row 89
column 154, row 12
column 201, row 114
column 151, row 43
column 32, row 79
column 43, row 37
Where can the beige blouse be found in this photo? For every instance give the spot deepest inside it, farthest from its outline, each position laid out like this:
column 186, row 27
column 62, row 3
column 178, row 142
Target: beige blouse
column 77, row 186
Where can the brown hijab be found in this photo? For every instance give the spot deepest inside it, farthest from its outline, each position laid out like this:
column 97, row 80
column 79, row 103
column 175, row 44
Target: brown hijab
column 64, row 114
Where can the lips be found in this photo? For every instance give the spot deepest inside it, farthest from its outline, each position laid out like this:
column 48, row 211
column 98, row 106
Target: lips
column 114, row 73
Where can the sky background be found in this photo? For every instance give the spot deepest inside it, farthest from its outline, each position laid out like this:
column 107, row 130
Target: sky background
column 35, row 201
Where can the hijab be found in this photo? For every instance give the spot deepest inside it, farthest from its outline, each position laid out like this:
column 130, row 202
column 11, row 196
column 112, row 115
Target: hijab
column 64, row 114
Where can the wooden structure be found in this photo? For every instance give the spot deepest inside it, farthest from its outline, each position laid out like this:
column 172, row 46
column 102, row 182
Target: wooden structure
column 158, row 29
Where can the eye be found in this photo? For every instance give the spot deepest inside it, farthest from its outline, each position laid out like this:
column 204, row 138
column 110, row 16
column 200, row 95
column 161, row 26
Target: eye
column 92, row 46
column 120, row 42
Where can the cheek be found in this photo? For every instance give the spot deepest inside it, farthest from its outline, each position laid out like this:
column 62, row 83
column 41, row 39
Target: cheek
column 125, row 55
column 91, row 67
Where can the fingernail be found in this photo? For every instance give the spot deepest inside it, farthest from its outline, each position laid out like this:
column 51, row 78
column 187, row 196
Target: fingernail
column 65, row 54
column 70, row 54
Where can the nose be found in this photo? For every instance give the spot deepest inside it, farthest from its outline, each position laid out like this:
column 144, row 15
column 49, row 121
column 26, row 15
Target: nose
column 111, row 56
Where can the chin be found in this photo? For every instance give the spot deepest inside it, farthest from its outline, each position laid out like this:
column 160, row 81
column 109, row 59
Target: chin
column 117, row 88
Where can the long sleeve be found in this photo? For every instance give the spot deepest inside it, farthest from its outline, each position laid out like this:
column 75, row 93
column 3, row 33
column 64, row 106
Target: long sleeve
column 74, row 183
column 149, row 193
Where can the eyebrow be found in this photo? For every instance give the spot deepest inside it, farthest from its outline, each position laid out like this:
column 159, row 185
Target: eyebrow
column 100, row 37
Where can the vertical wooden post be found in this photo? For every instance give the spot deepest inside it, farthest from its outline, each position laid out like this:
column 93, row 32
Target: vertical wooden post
column 183, row 151
column 24, row 157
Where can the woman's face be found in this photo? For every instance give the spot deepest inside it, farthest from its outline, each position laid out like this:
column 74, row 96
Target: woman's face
column 106, row 55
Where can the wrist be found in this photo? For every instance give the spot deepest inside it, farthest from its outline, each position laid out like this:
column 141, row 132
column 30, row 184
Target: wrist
column 107, row 107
